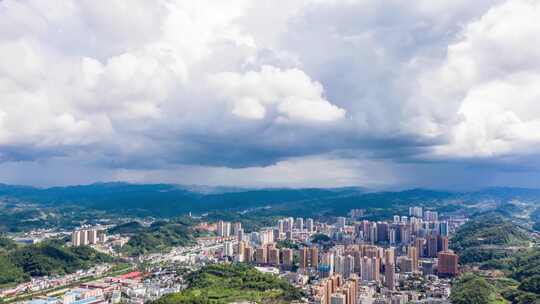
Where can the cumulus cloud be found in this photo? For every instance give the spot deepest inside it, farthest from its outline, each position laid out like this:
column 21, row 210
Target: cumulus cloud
column 232, row 86
column 485, row 93
column 295, row 95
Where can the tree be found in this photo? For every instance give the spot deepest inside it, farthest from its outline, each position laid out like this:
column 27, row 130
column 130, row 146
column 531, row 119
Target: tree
column 531, row 284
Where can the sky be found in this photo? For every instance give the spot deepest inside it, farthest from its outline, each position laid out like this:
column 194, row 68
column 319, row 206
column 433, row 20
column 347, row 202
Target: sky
column 286, row 93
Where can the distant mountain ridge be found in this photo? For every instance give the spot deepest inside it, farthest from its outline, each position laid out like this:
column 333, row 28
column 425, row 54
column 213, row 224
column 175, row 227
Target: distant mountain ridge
column 172, row 199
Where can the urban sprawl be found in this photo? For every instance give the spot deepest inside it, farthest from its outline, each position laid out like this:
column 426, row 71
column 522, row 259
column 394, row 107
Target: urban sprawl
column 405, row 259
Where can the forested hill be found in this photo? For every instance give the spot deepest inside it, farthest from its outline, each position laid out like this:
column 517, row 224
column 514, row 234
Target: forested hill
column 489, row 230
column 171, row 200
column 19, row 262
column 233, row 283
column 164, row 199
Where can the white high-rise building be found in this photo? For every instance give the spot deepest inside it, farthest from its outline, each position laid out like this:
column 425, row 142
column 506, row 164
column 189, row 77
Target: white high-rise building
column 84, row 237
column 76, row 238
column 235, row 227
column 266, row 236
column 341, row 221
column 300, row 223
column 240, row 234
column 339, row 264
column 348, row 266
column 223, row 229
column 281, row 226
column 228, row 249
column 416, row 212
column 92, row 236
column 289, row 224
column 102, row 237
column 309, row 225
column 369, row 269
column 431, row 216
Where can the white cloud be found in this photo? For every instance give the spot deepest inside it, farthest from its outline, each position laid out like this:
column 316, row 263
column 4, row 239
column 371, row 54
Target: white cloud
column 295, row 95
column 485, row 95
column 242, row 84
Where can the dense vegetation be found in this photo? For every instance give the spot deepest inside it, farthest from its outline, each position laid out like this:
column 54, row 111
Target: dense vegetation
column 161, row 235
column 489, row 230
column 472, row 289
column 320, row 238
column 7, row 244
column 287, row 244
column 50, row 258
column 127, row 228
column 9, row 272
column 494, row 242
column 488, row 238
column 227, row 283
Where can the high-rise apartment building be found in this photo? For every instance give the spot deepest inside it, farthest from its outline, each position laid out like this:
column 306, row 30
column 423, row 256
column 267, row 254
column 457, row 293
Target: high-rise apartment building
column 314, row 257
column 273, row 257
column 228, row 249
column 390, row 276
column 299, row 223
column 248, row 254
column 303, row 257
column 370, row 269
column 236, row 227
column 419, row 243
column 223, row 229
column 431, row 216
column 240, row 251
column 412, row 253
column 266, row 237
column 288, row 257
column 348, row 266
column 341, row 221
column 447, row 263
column 415, row 211
column 281, row 226
column 405, row 264
column 261, row 255
column 432, row 246
column 356, row 213
column 444, row 229
column 76, row 238
column 309, row 225
column 382, row 232
column 92, row 236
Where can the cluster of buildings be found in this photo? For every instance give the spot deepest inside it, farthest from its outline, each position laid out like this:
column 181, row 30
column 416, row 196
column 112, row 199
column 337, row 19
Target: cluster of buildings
column 348, row 261
column 37, row 284
column 380, row 255
column 90, row 236
column 133, row 287
column 335, row 290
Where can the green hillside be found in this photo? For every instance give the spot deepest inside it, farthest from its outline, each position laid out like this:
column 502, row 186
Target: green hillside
column 160, row 236
column 489, row 230
column 126, row 228
column 18, row 264
column 236, row 282
column 473, row 289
